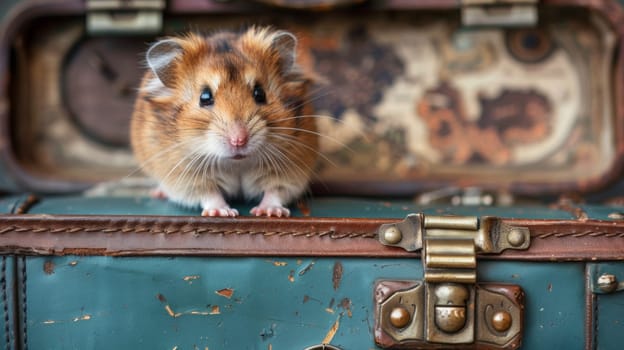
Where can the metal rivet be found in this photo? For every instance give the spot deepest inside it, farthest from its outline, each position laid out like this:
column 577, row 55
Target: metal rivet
column 400, row 317
column 607, row 283
column 501, row 321
column 450, row 319
column 392, row 235
column 516, row 238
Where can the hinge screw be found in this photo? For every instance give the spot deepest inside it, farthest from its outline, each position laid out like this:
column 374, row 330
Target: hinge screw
column 501, row 321
column 400, row 317
column 392, row 235
column 607, row 283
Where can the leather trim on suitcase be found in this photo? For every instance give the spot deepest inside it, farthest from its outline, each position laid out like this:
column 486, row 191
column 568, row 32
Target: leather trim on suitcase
column 552, row 240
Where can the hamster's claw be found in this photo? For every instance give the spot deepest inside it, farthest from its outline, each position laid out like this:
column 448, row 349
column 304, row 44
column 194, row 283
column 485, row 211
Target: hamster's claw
column 223, row 212
column 277, row 211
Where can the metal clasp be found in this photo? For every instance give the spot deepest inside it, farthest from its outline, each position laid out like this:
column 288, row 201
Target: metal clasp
column 499, row 13
column 124, row 16
column 442, row 308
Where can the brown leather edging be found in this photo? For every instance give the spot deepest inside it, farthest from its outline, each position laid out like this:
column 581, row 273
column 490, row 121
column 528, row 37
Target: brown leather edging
column 552, row 240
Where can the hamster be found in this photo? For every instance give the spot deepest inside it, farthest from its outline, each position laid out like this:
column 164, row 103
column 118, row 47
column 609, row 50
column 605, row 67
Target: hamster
column 224, row 116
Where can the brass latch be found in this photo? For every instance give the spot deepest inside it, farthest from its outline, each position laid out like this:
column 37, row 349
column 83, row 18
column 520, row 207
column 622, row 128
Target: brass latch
column 124, row 16
column 448, row 306
column 499, row 13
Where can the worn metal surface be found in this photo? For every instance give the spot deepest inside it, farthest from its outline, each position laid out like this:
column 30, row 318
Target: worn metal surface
column 275, row 303
column 478, row 317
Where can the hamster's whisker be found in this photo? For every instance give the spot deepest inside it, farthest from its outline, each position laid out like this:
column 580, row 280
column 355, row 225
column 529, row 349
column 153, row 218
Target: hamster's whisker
column 187, row 168
column 312, row 116
column 293, row 140
column 201, row 170
column 209, row 166
column 164, row 152
column 183, row 159
column 254, row 124
column 281, row 158
column 333, row 139
column 308, row 100
column 196, row 170
column 285, row 153
column 271, row 163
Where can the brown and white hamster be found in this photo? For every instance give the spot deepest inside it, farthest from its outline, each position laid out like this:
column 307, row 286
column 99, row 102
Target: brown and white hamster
column 224, row 116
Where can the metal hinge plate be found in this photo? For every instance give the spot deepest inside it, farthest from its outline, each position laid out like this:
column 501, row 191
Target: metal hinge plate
column 499, row 13
column 448, row 306
column 124, row 16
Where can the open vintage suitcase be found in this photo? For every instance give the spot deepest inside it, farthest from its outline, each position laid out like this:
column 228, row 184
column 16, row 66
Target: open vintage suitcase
column 468, row 197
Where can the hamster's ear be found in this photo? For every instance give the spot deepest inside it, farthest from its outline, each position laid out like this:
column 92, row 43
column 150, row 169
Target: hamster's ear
column 160, row 58
column 285, row 43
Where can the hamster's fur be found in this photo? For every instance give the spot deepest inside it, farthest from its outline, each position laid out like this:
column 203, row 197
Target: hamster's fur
column 223, row 116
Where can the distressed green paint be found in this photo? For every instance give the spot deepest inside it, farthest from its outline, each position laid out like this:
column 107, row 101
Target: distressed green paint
column 289, row 304
column 318, row 207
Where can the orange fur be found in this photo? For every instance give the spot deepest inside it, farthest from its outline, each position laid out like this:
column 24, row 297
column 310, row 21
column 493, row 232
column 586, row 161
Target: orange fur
column 168, row 123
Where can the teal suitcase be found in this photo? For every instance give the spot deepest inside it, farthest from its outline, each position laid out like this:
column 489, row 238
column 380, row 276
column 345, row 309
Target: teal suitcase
column 481, row 209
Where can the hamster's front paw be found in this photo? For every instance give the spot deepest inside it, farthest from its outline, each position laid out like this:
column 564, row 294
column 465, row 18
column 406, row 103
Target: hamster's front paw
column 223, row 211
column 278, row 211
column 214, row 205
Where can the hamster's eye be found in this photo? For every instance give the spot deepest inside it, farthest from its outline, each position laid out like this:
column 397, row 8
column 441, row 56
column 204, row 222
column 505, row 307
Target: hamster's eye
column 259, row 95
column 206, row 98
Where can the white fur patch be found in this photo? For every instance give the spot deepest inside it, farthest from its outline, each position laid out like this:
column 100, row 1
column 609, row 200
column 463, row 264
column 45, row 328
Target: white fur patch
column 155, row 87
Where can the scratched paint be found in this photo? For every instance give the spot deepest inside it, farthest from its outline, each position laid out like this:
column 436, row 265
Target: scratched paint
column 345, row 304
column 145, row 286
column 225, row 292
column 214, row 309
column 291, row 276
column 307, row 268
column 337, row 275
column 85, row 317
column 191, row 278
column 332, row 332
column 278, row 263
column 48, row 267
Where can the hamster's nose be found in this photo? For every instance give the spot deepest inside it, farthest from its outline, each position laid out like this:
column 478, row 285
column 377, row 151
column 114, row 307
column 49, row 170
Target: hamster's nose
column 239, row 136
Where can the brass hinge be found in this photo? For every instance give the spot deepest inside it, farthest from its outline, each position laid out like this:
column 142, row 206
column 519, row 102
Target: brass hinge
column 443, row 307
column 499, row 13
column 124, row 16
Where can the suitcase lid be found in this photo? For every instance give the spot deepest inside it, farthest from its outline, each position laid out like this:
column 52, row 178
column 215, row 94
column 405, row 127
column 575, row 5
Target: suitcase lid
column 415, row 100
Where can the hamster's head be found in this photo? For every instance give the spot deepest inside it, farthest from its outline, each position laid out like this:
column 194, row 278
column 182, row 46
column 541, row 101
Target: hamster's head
column 227, row 95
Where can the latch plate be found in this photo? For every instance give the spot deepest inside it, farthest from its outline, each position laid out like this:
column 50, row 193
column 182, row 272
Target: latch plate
column 499, row 13
column 448, row 307
column 124, row 16
column 499, row 306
